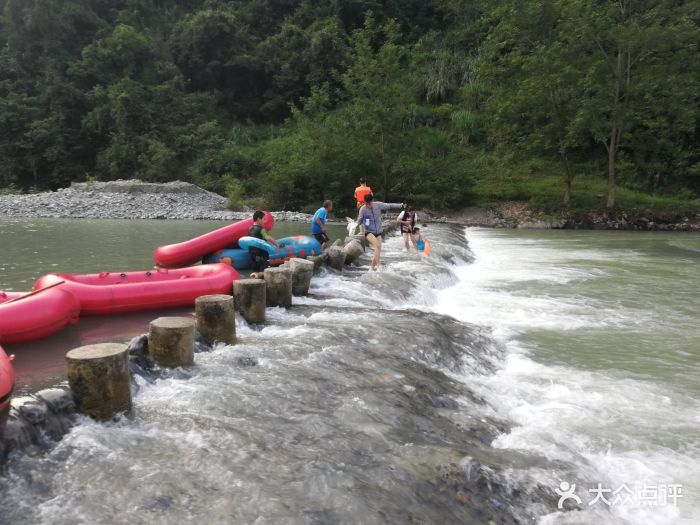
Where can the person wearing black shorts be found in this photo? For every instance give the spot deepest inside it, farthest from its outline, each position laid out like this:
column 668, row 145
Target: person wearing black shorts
column 370, row 218
column 322, row 238
column 318, row 224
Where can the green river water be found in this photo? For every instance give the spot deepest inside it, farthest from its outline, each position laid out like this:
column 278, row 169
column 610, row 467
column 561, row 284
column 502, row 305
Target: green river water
column 599, row 376
column 34, row 247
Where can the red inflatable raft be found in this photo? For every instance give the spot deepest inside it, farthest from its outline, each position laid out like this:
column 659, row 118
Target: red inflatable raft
column 28, row 316
column 112, row 293
column 187, row 252
column 7, row 383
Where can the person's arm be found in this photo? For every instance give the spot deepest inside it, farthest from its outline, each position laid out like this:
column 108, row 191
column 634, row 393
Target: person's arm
column 390, row 205
column 400, row 220
column 320, row 224
column 360, row 218
column 269, row 239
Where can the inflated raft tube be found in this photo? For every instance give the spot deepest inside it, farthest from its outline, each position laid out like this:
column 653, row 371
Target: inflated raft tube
column 301, row 246
column 7, row 383
column 34, row 315
column 113, row 293
column 246, row 243
column 187, row 252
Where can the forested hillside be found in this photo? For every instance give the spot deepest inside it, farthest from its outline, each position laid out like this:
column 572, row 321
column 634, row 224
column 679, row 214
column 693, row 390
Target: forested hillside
column 446, row 103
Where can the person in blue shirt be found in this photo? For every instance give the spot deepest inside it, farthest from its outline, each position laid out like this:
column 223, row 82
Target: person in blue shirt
column 318, row 224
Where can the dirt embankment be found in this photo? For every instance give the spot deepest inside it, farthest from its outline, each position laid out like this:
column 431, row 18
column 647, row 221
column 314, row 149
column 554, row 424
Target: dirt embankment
column 520, row 215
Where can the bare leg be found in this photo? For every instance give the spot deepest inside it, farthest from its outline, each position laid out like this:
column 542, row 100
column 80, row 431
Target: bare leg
column 377, row 245
column 414, row 240
column 405, row 239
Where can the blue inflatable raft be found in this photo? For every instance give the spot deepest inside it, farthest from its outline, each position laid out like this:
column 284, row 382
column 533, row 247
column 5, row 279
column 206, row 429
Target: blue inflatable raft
column 300, row 246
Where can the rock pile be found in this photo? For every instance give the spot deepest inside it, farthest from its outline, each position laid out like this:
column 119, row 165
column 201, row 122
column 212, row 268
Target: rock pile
column 128, row 199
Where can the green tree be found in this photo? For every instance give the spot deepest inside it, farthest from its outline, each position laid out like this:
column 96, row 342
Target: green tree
column 634, row 55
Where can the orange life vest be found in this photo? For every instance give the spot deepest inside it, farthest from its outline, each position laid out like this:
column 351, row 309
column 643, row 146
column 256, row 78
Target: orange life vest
column 360, row 193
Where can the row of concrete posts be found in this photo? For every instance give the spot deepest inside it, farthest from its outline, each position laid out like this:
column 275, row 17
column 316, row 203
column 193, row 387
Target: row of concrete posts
column 99, row 375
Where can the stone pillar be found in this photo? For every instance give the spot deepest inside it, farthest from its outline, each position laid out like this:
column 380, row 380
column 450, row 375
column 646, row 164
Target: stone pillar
column 302, row 272
column 279, row 287
column 171, row 341
column 336, row 258
column 353, row 249
column 216, row 318
column 250, row 299
column 362, row 239
column 318, row 261
column 99, row 378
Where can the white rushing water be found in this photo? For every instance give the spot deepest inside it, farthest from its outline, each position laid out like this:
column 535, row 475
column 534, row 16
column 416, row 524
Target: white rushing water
column 602, row 355
column 600, row 374
column 564, row 357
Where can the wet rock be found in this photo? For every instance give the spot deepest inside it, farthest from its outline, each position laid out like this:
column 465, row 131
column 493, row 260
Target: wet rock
column 157, row 503
column 321, row 517
column 140, row 362
column 58, row 400
column 246, row 362
column 446, row 402
column 138, row 346
column 200, row 343
column 481, row 494
column 32, row 410
column 19, row 435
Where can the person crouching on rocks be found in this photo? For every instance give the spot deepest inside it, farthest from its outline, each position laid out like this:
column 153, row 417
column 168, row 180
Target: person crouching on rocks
column 370, row 218
column 318, row 224
column 257, row 230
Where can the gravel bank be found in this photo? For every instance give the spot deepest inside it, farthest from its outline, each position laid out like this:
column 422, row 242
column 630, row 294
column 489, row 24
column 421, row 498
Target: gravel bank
column 129, row 199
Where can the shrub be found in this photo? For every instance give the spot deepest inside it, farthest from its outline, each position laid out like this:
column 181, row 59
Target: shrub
column 234, row 192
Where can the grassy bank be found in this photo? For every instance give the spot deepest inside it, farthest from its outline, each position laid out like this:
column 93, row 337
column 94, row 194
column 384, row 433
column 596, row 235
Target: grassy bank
column 544, row 194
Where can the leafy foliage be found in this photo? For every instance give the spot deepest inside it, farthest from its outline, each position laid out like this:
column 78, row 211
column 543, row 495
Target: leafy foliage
column 439, row 102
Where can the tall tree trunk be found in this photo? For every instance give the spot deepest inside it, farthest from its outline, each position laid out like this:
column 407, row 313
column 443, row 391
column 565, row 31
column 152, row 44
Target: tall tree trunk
column 568, row 176
column 384, row 170
column 622, row 79
column 612, row 157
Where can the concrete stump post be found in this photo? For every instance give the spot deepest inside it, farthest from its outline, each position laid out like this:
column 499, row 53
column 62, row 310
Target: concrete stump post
column 353, row 249
column 279, row 287
column 171, row 341
column 99, row 378
column 336, row 258
column 250, row 299
column 318, row 261
column 362, row 239
column 216, row 318
column 302, row 272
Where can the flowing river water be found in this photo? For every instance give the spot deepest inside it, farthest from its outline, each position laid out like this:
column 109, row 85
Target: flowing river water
column 461, row 388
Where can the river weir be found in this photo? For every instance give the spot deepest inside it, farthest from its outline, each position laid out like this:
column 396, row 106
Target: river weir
column 439, row 390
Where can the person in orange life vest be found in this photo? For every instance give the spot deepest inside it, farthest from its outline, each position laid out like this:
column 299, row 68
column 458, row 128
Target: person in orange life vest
column 361, row 192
